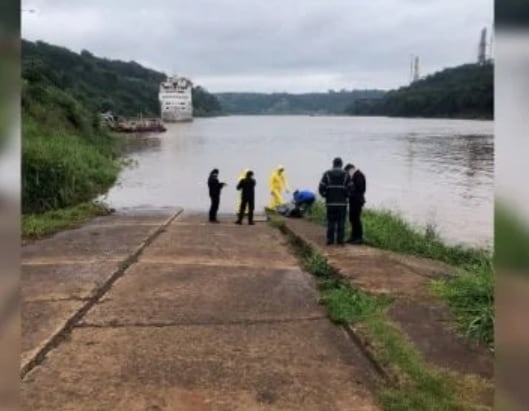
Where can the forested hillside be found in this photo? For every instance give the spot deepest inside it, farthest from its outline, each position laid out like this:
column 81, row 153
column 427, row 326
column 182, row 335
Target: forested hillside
column 463, row 92
column 286, row 103
column 100, row 84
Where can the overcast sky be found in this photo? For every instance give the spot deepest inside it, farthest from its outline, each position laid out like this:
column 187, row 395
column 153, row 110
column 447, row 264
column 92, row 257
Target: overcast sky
column 269, row 45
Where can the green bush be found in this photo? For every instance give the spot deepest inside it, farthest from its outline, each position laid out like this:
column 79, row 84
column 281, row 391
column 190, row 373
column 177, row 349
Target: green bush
column 62, row 170
column 68, row 157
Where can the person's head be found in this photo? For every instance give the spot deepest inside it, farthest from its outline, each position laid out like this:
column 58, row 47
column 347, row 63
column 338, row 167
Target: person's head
column 280, row 169
column 249, row 174
column 215, row 172
column 337, row 162
column 350, row 168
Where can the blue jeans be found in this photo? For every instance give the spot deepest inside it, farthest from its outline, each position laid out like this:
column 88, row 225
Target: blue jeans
column 336, row 223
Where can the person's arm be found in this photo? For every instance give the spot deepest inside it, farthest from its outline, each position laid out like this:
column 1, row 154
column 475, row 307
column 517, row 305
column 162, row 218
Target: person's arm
column 239, row 186
column 361, row 184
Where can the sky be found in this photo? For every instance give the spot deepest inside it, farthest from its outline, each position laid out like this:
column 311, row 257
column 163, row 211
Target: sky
column 269, row 45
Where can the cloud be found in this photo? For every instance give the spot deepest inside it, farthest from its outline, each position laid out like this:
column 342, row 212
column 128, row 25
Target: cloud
column 306, row 45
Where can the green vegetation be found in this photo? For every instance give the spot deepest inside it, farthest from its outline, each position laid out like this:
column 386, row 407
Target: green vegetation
column 413, row 385
column 464, row 92
column 100, row 84
column 38, row 225
column 68, row 157
column 204, row 103
column 286, row 103
column 470, row 293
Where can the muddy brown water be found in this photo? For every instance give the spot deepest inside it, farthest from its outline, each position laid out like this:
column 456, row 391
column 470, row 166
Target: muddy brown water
column 436, row 172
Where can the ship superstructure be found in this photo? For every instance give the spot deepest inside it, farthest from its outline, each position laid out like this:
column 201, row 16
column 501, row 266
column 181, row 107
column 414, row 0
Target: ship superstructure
column 176, row 102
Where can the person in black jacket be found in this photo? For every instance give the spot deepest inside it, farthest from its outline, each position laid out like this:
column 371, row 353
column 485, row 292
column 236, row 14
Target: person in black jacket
column 335, row 186
column 356, row 202
column 215, row 188
column 247, row 188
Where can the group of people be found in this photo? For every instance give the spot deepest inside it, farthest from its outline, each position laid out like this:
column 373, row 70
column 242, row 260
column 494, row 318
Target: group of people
column 342, row 187
column 339, row 186
column 246, row 186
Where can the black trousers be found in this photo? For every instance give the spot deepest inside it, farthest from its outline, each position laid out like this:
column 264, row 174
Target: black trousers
column 355, row 211
column 336, row 224
column 215, row 201
column 246, row 202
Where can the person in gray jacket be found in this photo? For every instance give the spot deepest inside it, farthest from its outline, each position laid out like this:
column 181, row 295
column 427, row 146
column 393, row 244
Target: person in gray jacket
column 335, row 186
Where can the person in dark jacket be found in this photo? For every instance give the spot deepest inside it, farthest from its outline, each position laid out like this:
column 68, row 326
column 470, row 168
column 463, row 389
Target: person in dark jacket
column 356, row 202
column 247, row 188
column 335, row 186
column 215, row 187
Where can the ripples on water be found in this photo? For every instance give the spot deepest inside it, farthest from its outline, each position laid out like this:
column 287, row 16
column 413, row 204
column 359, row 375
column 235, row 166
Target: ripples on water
column 432, row 171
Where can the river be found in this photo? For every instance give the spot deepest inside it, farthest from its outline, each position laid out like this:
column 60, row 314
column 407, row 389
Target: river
column 432, row 171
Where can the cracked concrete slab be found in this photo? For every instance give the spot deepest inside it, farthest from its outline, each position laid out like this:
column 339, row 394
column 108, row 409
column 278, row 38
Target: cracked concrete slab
column 294, row 366
column 137, row 216
column 41, row 320
column 180, row 294
column 91, row 242
column 210, row 317
column 63, row 281
column 255, row 245
column 62, row 272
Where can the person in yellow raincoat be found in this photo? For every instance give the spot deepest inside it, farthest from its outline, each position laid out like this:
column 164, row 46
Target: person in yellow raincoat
column 238, row 206
column 277, row 184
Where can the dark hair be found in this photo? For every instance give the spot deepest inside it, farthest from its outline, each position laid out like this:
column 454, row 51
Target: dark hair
column 214, row 171
column 337, row 162
column 249, row 173
column 349, row 166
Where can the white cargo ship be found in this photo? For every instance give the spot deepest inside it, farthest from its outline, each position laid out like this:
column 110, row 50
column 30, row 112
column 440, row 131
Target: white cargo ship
column 176, row 101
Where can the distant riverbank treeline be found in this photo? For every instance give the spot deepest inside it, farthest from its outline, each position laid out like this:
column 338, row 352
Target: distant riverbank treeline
column 332, row 102
column 100, row 84
column 461, row 92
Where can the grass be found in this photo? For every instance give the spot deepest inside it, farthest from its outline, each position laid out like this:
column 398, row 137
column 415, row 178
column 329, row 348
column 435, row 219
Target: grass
column 415, row 385
column 471, row 298
column 470, row 293
column 35, row 226
column 387, row 230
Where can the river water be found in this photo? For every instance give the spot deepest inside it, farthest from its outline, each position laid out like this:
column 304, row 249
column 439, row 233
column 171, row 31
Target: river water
column 431, row 171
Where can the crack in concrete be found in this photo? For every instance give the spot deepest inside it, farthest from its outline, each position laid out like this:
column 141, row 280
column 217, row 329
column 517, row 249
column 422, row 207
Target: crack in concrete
column 162, row 324
column 63, row 332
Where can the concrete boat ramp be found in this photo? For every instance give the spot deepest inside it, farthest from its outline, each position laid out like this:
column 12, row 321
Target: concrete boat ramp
column 163, row 311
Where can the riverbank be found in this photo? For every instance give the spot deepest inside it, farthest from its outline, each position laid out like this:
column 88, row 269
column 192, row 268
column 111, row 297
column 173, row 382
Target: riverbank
column 469, row 292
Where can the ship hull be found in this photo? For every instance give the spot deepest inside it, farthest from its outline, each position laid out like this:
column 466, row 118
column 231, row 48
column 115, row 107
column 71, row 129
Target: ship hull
column 171, row 117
